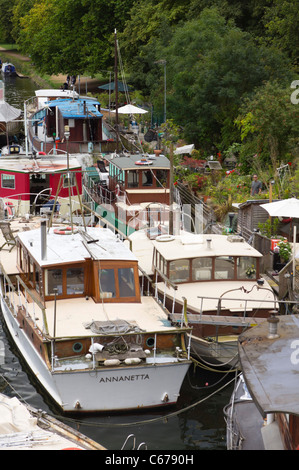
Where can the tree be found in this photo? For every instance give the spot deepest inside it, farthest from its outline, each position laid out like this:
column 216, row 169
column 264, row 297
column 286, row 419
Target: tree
column 282, row 26
column 6, row 8
column 269, row 124
column 212, row 66
column 72, row 36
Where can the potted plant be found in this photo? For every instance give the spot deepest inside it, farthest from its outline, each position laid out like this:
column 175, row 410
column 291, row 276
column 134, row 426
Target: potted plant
column 250, row 271
column 285, row 250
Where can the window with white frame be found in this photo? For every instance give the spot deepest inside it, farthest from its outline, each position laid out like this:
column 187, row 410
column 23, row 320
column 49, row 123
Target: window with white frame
column 69, row 180
column 8, row 181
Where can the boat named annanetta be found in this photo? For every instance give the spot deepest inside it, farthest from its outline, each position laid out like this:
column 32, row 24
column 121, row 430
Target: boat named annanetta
column 89, row 336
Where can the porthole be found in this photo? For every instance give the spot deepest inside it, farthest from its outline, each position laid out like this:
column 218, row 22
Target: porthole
column 150, row 342
column 77, row 347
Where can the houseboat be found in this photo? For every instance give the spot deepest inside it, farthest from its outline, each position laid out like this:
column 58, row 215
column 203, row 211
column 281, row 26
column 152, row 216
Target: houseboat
column 72, row 303
column 8, row 69
column 263, row 412
column 212, row 282
column 130, row 191
column 27, row 182
column 68, row 123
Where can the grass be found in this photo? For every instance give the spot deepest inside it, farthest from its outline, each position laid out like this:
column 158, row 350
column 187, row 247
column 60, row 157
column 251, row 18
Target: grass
column 9, row 47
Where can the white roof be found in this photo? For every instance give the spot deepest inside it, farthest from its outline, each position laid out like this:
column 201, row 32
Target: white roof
column 191, row 245
column 52, row 93
column 44, row 164
column 71, row 248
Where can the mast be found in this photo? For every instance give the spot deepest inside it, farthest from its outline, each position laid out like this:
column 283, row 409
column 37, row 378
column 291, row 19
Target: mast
column 116, row 90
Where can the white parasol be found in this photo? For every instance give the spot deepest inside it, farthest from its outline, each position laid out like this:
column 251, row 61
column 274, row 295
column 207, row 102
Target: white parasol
column 184, row 149
column 130, row 109
column 284, row 208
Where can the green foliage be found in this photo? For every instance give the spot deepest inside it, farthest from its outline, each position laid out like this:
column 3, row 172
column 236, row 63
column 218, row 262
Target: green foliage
column 270, row 122
column 269, row 228
column 227, row 62
column 285, row 250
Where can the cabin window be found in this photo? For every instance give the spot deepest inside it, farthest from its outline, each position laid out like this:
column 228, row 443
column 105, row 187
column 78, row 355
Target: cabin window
column 179, row 270
column 224, row 267
column 246, row 267
column 163, row 266
column 126, row 282
column 37, row 279
column 31, row 272
column 53, row 281
column 75, row 281
column 132, row 179
column 107, row 283
column 8, row 181
column 161, row 178
column 69, row 180
column 147, row 178
column 201, row 269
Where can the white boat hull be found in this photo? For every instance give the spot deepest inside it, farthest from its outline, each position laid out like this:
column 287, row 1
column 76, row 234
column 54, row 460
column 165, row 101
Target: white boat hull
column 109, row 389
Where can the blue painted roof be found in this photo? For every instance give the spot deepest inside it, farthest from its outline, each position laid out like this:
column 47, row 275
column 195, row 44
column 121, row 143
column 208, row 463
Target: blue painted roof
column 75, row 109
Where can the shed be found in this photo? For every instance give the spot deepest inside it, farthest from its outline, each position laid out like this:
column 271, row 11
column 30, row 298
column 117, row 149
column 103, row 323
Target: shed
column 251, row 214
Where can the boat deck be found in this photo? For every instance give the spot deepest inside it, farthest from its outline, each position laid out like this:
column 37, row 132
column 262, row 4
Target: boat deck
column 203, row 297
column 73, row 316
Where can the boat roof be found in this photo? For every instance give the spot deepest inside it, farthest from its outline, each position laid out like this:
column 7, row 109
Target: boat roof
column 128, row 161
column 46, row 164
column 270, row 366
column 94, row 242
column 193, row 245
column 52, row 93
column 74, row 109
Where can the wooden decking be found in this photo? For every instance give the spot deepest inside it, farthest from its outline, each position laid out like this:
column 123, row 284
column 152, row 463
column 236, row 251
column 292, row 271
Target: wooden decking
column 219, row 320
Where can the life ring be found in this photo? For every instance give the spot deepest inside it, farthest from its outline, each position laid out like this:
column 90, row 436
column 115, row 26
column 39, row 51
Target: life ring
column 164, row 238
column 41, row 153
column 65, row 231
column 71, row 448
column 143, row 162
column 285, row 220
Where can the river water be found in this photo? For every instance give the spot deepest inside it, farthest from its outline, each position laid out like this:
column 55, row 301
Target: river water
column 195, row 423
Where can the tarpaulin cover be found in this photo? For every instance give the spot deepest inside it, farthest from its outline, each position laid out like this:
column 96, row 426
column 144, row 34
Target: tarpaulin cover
column 8, row 113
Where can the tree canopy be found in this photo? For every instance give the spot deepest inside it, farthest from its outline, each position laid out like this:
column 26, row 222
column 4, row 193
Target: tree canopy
column 219, row 58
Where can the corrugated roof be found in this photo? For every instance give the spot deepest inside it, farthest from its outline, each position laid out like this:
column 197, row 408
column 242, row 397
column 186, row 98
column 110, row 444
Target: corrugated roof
column 270, row 366
column 76, row 109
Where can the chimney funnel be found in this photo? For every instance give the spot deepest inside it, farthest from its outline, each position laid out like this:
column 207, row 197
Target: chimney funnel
column 43, row 226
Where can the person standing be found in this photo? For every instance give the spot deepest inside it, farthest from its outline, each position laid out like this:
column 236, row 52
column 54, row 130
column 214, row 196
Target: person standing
column 256, row 186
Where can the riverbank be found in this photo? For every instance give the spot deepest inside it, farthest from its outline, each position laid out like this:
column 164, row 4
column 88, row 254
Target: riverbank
column 25, row 68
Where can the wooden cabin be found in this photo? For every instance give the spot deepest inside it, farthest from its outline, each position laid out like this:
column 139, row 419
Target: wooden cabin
column 142, row 179
column 68, row 125
column 76, row 275
column 27, row 183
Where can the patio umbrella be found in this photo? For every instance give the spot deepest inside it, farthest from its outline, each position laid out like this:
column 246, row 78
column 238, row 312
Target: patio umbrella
column 283, row 208
column 120, row 86
column 130, row 109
